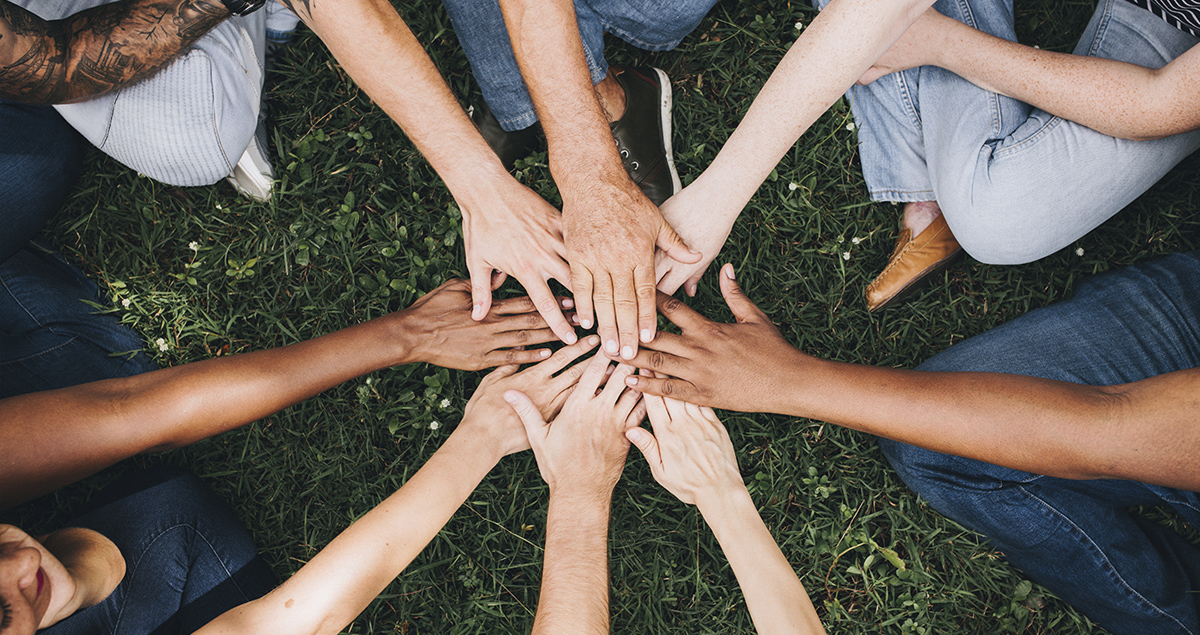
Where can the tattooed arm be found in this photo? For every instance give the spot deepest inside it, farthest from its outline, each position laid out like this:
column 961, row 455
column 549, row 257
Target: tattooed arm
column 98, row 50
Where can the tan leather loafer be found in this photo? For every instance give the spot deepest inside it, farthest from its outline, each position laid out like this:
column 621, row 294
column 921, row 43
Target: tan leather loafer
column 912, row 260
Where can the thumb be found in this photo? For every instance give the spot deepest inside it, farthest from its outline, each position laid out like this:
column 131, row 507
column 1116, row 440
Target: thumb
column 673, row 245
column 743, row 309
column 648, row 446
column 481, row 290
column 530, row 417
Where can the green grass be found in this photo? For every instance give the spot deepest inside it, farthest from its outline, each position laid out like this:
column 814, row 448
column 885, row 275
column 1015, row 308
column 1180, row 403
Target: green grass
column 362, row 226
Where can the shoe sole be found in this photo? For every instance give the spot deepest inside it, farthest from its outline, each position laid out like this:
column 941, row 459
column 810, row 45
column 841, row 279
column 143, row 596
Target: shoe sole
column 914, row 285
column 665, row 117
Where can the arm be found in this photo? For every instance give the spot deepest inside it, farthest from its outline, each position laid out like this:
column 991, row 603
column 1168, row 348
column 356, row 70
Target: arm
column 581, row 455
column 1116, row 98
column 1143, row 431
column 506, row 226
column 56, row 437
column 690, row 454
column 328, row 592
column 609, row 225
column 96, row 51
column 831, row 54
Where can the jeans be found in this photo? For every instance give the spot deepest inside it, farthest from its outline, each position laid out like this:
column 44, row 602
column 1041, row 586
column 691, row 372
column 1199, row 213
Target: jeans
column 189, row 123
column 1015, row 184
column 39, row 161
column 1129, row 575
column 653, row 25
column 187, row 558
column 50, row 337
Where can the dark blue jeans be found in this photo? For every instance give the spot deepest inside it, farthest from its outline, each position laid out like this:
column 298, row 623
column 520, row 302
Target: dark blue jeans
column 187, row 558
column 1076, row 537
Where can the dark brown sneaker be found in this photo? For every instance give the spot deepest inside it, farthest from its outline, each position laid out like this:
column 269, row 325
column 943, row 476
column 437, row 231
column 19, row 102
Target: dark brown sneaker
column 509, row 146
column 643, row 133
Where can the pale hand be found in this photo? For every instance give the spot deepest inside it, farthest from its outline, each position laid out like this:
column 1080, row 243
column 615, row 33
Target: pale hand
column 689, row 453
column 690, row 213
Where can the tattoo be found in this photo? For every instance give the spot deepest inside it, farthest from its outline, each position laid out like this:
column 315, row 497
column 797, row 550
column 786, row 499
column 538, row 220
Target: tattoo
column 302, row 8
column 99, row 50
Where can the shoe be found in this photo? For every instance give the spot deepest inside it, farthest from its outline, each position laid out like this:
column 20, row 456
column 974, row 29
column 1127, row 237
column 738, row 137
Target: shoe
column 253, row 176
column 509, row 146
column 913, row 260
column 643, row 133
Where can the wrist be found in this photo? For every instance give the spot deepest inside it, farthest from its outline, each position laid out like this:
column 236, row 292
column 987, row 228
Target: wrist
column 791, row 386
column 724, row 507
column 474, row 447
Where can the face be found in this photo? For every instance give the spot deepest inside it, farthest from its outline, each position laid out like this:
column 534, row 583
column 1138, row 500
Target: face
column 28, row 574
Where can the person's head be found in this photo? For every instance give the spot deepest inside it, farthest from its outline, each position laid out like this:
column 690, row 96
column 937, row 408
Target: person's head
column 28, row 576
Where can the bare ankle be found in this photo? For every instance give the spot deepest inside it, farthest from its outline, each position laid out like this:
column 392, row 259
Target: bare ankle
column 612, row 97
column 919, row 215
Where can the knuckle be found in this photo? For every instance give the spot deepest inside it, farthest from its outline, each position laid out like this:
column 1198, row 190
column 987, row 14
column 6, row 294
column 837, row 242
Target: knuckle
column 523, row 336
column 657, row 360
column 671, row 304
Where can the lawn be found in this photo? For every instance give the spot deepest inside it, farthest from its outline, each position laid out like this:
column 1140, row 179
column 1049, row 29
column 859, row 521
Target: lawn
column 361, row 226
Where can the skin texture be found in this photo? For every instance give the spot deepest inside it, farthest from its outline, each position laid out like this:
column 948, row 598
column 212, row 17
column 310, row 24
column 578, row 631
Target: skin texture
column 1143, row 431
column 690, row 454
column 1115, row 98
column 56, row 437
column 580, row 454
column 508, row 229
column 611, row 229
column 96, row 51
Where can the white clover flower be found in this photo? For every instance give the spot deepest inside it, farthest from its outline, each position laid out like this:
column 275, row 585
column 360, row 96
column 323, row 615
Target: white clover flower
column 841, row 239
column 434, row 425
column 194, row 246
column 162, row 344
column 445, row 404
column 126, row 302
column 856, row 240
column 850, row 126
column 218, row 206
column 845, row 255
column 798, row 25
column 369, row 380
column 1079, row 252
column 792, row 186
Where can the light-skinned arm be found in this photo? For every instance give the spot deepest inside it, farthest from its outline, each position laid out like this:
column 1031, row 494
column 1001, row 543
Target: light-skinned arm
column 831, row 54
column 1116, row 98
column 1144, row 431
column 328, row 592
column 580, row 454
column 98, row 50
column 506, row 226
column 690, row 455
column 610, row 227
column 53, row 438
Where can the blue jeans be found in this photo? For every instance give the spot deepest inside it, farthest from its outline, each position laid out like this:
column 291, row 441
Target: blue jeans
column 1075, row 537
column 187, row 558
column 653, row 25
column 40, row 158
column 50, row 337
column 1015, row 183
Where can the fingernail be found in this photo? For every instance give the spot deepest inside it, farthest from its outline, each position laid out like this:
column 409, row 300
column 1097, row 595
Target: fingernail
column 544, row 353
column 593, row 340
column 611, row 346
column 647, row 335
column 631, row 380
column 571, row 339
column 627, row 352
column 568, row 303
column 729, row 272
column 587, row 324
column 475, row 312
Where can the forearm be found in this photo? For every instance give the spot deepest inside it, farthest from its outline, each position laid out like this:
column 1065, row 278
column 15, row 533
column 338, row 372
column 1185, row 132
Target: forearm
column 57, row 437
column 98, row 50
column 774, row 595
column 344, row 577
column 574, row 593
column 1142, row 431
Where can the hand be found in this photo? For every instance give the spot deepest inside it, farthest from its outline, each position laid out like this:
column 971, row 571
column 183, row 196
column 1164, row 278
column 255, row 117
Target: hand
column 917, row 47
column 438, row 329
column 519, row 234
column 730, row 366
column 690, row 453
column 546, row 391
column 582, row 451
column 690, row 213
column 611, row 235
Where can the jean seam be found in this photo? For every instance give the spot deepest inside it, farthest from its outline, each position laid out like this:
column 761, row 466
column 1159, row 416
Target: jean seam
column 1106, row 564
column 39, row 353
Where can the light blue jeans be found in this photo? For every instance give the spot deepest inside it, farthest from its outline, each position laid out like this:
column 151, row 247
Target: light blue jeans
column 1129, row 575
column 1015, row 183
column 653, row 25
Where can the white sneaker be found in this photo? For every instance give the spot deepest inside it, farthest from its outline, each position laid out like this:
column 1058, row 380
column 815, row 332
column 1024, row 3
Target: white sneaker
column 253, row 176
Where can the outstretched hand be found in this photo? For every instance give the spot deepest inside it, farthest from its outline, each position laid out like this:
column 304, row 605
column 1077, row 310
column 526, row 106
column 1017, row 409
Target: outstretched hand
column 730, row 366
column 583, row 449
column 704, row 225
column 689, row 453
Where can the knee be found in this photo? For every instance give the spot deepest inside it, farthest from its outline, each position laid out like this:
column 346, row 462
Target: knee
column 999, row 231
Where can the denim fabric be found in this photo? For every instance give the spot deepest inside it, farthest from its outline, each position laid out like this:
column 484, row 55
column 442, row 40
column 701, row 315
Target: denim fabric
column 653, row 25
column 40, row 159
column 1015, row 183
column 1075, row 537
column 187, row 559
column 50, row 337
column 189, row 123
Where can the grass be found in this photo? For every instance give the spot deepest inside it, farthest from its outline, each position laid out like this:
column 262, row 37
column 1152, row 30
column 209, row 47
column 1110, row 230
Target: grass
column 362, row 226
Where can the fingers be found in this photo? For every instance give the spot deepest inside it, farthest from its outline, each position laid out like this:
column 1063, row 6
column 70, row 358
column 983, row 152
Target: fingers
column 673, row 246
column 559, row 360
column 514, row 357
column 678, row 313
column 662, row 361
column 606, row 314
column 582, row 287
column 549, row 309
column 524, row 304
column 535, row 425
column 637, row 415
column 481, row 290
column 743, row 309
column 625, row 305
column 664, row 387
column 647, row 314
column 593, row 374
column 615, row 386
column 656, row 409
column 693, row 283
column 648, row 446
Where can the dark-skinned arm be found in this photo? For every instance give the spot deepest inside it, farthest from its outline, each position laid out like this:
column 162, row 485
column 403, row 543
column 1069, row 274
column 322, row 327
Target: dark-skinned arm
column 1145, row 430
column 98, row 50
column 53, row 438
